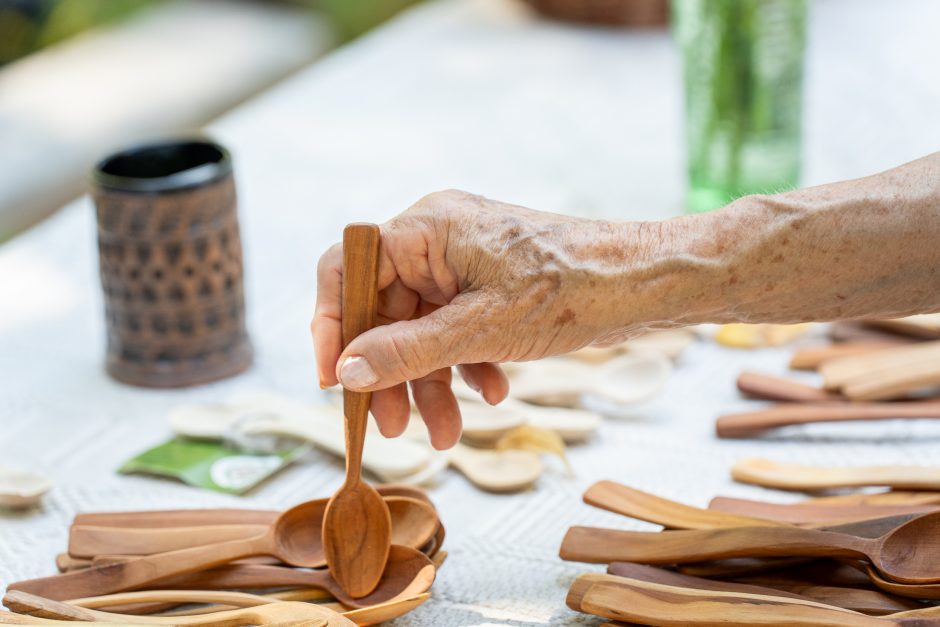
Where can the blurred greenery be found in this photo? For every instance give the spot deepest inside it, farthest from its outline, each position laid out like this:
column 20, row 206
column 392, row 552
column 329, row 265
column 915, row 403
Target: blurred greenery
column 351, row 18
column 27, row 25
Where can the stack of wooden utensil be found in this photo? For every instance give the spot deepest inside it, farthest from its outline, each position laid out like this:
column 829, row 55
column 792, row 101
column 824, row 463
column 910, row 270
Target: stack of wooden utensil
column 713, row 567
column 182, row 557
column 874, row 375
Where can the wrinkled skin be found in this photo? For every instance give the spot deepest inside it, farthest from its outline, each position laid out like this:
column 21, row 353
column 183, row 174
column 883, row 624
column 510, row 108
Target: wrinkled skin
column 473, row 282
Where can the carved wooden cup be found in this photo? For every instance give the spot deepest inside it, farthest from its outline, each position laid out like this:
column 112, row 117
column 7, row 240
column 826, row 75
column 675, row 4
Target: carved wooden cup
column 171, row 264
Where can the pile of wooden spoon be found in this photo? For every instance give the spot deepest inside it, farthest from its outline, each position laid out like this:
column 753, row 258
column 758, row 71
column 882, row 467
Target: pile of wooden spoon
column 713, row 567
column 872, row 375
column 177, row 557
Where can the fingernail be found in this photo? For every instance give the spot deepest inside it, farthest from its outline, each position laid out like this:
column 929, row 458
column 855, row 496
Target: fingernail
column 356, row 373
column 473, row 385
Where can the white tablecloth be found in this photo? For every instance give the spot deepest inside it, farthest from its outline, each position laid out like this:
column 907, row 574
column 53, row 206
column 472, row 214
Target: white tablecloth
column 475, row 94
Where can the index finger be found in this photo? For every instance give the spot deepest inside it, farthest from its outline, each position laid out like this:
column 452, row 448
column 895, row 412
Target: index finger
column 326, row 326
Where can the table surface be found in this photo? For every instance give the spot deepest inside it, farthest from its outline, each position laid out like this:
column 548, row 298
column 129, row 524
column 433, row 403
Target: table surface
column 479, row 95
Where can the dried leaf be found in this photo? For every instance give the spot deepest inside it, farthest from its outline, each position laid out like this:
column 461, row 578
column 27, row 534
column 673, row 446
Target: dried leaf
column 535, row 439
column 739, row 335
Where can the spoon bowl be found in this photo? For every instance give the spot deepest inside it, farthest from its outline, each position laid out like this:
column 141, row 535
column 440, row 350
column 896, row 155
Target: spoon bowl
column 296, row 534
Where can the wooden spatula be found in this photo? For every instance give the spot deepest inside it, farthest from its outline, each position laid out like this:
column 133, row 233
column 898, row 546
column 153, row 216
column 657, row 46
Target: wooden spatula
column 773, row 388
column 357, row 527
column 771, row 474
column 753, row 423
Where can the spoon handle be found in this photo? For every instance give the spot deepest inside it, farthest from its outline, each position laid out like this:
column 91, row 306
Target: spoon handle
column 137, row 572
column 783, row 415
column 360, row 302
column 644, row 602
column 602, row 546
column 628, row 501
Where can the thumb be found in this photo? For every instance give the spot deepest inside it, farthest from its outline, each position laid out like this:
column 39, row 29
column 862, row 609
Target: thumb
column 403, row 351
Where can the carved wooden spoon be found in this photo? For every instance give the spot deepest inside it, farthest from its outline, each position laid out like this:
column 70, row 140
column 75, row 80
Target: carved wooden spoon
column 293, row 538
column 221, row 516
column 37, row 606
column 860, row 600
column 632, row 600
column 258, row 615
column 357, row 528
column 414, row 523
column 907, row 554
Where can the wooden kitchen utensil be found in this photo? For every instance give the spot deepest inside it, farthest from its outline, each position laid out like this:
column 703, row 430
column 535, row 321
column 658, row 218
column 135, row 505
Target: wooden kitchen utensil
column 886, row 374
column 783, row 476
column 484, row 424
column 773, row 388
column 649, row 603
column 258, row 615
column 252, row 418
column 753, row 423
column 890, row 497
column 497, row 471
column 222, row 516
column 865, row 601
column 806, row 513
column 357, row 528
column 294, row 538
column 625, row 380
column 370, row 615
column 621, row 499
column 810, row 358
column 407, row 573
column 414, row 523
column 925, row 326
column 37, row 606
column 907, row 554
column 21, row 490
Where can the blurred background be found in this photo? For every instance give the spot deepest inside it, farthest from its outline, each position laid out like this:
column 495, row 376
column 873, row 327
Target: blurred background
column 743, row 95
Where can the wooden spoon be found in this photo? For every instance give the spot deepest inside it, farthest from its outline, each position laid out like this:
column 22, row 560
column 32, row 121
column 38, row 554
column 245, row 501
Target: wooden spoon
column 257, row 615
column 812, row 513
column 414, row 523
column 906, row 554
column 783, row 476
column 21, row 490
column 810, row 358
column 650, row 603
column 626, row 380
column 24, row 603
column 357, row 527
column 252, row 417
column 497, row 471
column 773, row 388
column 294, row 539
column 621, row 499
column 865, row 601
column 753, row 423
column 408, row 572
column 891, row 497
column 220, row 516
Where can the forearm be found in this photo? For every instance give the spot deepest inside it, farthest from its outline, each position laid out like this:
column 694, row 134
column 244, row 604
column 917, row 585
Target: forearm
column 856, row 249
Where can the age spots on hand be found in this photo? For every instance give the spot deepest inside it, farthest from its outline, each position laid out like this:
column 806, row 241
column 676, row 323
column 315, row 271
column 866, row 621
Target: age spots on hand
column 566, row 317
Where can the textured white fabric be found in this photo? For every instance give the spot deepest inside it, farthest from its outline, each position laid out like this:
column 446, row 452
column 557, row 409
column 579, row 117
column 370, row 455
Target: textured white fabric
column 475, row 94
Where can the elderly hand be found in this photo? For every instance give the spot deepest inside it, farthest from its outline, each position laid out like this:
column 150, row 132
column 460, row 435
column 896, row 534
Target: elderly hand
column 472, row 282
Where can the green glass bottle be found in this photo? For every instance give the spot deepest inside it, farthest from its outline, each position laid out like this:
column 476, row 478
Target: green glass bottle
column 743, row 68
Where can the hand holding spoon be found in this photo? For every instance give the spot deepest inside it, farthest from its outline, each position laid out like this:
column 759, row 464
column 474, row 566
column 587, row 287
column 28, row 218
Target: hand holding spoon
column 357, row 528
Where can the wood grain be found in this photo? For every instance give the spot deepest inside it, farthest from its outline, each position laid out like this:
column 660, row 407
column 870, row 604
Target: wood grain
column 357, row 525
column 753, row 423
